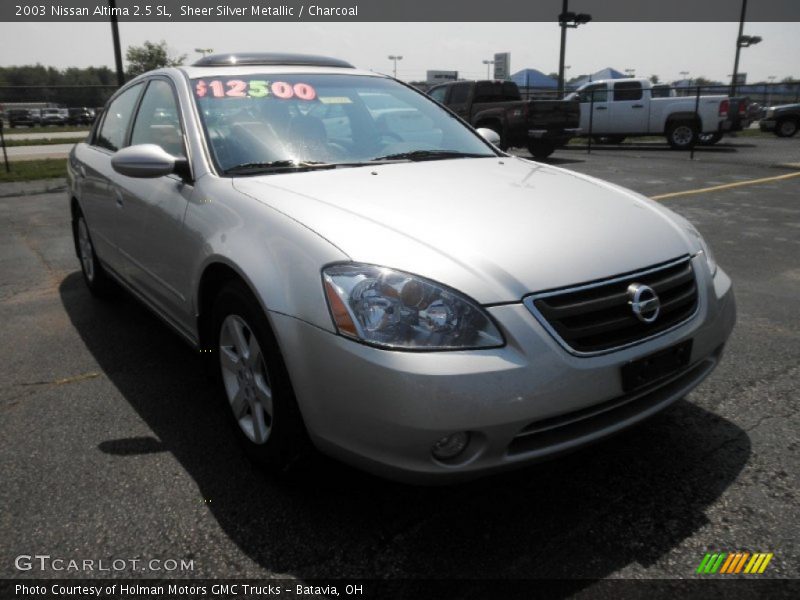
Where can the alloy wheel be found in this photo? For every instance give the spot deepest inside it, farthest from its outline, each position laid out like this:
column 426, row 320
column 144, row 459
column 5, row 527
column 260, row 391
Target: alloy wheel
column 244, row 376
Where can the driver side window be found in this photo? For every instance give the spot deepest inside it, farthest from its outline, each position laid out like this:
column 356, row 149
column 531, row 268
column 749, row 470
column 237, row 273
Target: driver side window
column 158, row 121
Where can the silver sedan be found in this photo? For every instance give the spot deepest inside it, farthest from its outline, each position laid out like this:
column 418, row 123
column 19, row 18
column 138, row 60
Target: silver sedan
column 371, row 277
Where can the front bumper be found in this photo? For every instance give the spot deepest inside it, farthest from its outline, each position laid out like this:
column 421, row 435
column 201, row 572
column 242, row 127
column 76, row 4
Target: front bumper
column 768, row 124
column 383, row 410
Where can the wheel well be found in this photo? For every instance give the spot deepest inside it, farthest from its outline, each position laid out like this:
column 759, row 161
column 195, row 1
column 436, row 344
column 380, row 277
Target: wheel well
column 678, row 119
column 214, row 278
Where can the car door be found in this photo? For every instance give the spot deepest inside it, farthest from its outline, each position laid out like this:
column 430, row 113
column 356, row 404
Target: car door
column 156, row 247
column 594, row 108
column 628, row 108
column 100, row 198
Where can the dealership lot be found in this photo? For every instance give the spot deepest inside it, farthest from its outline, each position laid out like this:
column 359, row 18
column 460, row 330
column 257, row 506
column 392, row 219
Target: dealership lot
column 111, row 444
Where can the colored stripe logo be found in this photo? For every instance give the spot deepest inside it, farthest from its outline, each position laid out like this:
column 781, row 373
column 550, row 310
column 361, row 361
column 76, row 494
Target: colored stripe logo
column 731, row 563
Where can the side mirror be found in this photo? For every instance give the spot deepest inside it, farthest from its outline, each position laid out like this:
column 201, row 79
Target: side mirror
column 490, row 135
column 145, row 161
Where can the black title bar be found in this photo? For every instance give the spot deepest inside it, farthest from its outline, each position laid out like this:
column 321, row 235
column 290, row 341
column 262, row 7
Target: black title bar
column 394, row 10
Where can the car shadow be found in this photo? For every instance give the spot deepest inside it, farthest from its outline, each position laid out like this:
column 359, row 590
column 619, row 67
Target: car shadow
column 627, row 500
column 721, row 148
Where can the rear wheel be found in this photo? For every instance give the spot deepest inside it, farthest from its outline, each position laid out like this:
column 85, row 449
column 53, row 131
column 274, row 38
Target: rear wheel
column 97, row 280
column 786, row 127
column 254, row 382
column 541, row 148
column 682, row 135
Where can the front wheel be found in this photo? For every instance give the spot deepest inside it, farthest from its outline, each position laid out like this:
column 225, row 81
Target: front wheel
column 786, row 128
column 682, row 136
column 541, row 148
column 254, row 381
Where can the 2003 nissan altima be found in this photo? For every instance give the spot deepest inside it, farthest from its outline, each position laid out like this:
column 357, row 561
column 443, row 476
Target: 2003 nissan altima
column 372, row 275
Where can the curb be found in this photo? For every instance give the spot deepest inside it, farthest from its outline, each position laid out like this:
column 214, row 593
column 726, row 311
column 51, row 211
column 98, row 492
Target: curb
column 30, row 188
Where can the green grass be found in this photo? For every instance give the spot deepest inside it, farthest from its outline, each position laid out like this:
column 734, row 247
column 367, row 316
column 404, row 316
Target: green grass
column 28, row 170
column 47, row 129
column 45, row 142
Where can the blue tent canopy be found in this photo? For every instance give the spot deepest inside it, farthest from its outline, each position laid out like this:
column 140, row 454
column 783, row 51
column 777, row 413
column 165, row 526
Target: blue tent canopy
column 533, row 78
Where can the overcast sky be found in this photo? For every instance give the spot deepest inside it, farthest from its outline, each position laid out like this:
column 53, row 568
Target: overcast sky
column 665, row 49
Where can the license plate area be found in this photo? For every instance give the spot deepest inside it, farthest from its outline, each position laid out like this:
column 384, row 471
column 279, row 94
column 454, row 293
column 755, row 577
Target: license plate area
column 655, row 367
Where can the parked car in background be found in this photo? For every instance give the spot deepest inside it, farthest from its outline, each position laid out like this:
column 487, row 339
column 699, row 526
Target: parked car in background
column 54, row 116
column 20, row 117
column 425, row 307
column 80, row 116
column 541, row 126
column 782, row 120
column 620, row 108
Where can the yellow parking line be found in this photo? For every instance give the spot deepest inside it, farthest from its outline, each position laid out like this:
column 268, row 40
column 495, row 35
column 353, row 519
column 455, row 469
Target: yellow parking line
column 726, row 186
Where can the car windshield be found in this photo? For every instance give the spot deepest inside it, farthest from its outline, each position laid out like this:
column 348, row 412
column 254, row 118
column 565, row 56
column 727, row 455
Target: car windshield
column 270, row 123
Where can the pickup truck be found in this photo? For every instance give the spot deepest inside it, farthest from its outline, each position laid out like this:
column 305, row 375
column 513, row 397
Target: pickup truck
column 619, row 108
column 541, row 126
column 783, row 120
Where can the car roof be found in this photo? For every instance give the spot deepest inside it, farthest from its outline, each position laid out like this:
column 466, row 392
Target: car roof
column 270, row 59
column 237, row 64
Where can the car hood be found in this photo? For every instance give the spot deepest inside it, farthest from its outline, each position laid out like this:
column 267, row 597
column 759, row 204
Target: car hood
column 494, row 228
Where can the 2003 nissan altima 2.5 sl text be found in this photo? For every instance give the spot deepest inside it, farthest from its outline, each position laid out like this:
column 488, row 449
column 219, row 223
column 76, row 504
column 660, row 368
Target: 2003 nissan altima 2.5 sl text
column 377, row 280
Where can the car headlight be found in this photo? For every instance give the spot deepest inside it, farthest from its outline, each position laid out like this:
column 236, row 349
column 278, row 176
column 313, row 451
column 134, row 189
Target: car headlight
column 770, row 113
column 705, row 249
column 397, row 310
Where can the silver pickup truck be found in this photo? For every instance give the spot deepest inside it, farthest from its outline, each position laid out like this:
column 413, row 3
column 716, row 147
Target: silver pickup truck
column 620, row 108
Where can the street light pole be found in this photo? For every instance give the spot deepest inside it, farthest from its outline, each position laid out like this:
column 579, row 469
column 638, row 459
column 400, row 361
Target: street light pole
column 562, row 22
column 395, row 58
column 572, row 20
column 738, row 48
column 487, row 63
column 112, row 5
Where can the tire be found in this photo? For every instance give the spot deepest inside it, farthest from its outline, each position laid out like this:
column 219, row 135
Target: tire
column 786, row 127
column 253, row 381
column 97, row 280
column 541, row 148
column 609, row 139
column 708, row 139
column 682, row 135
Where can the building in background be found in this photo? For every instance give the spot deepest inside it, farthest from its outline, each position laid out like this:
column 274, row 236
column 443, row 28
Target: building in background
column 435, row 77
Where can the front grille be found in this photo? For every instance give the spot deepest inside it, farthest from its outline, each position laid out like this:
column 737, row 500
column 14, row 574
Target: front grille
column 597, row 317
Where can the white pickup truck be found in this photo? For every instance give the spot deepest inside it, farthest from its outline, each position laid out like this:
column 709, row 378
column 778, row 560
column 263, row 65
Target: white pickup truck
column 630, row 107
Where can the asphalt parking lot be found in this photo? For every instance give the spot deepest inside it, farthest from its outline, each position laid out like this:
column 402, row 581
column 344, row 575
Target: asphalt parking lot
column 111, row 444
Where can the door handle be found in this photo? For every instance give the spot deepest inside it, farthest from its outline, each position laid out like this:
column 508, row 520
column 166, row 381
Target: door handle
column 638, row 106
column 601, row 108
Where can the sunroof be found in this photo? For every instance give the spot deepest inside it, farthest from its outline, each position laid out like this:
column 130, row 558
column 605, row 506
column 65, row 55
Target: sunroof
column 270, row 58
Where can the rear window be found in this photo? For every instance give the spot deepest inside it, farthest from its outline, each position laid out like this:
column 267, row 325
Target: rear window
column 627, row 90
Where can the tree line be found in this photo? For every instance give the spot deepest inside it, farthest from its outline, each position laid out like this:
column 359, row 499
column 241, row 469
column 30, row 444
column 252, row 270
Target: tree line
column 90, row 86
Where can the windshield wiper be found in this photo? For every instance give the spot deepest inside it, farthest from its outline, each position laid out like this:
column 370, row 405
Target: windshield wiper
column 417, row 155
column 276, row 165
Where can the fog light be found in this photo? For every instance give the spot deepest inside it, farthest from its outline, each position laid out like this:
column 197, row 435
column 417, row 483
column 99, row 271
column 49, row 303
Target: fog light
column 450, row 446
